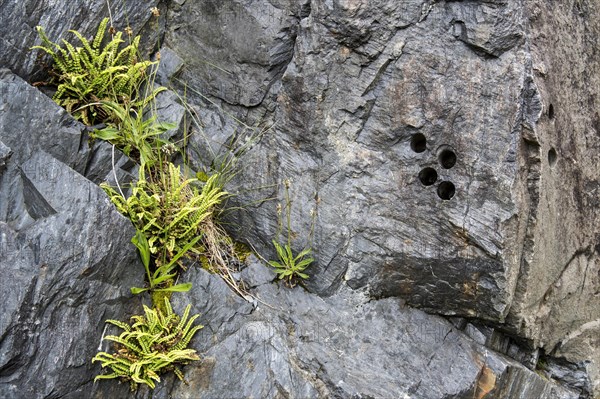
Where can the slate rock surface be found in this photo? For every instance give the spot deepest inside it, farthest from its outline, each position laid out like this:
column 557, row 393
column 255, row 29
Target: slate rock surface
column 296, row 344
column 65, row 251
column 19, row 19
column 449, row 150
column 447, row 153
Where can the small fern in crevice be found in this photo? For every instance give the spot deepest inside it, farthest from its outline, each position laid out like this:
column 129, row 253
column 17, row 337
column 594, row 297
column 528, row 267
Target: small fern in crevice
column 290, row 267
column 154, row 344
column 87, row 75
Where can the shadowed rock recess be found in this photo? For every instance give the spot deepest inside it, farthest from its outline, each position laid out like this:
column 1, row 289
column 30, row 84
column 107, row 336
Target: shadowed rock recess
column 449, row 150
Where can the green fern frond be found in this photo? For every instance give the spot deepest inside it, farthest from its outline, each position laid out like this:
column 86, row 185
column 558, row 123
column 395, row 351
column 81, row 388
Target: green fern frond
column 149, row 347
column 112, row 49
column 120, row 324
column 169, row 309
column 100, row 34
column 130, row 345
column 133, row 50
column 84, row 42
column 92, row 71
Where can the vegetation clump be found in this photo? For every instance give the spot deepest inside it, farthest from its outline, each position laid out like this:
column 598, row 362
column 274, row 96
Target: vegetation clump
column 153, row 344
column 102, row 83
column 168, row 208
column 290, row 267
column 137, row 135
column 86, row 76
column 173, row 217
column 174, row 214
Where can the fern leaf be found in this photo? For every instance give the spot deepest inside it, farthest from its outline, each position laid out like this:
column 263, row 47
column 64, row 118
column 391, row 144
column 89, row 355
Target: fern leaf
column 99, row 35
column 168, row 307
column 107, row 376
column 127, row 344
column 84, row 42
column 73, row 62
column 120, row 324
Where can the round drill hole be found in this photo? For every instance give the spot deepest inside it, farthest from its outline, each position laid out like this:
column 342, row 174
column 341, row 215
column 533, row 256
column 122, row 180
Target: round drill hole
column 552, row 156
column 447, row 158
column 428, row 176
column 446, row 190
column 551, row 111
column 418, row 142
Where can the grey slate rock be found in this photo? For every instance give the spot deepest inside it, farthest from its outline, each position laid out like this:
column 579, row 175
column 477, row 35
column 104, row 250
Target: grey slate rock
column 169, row 67
column 491, row 29
column 64, row 248
column 296, row 344
column 54, row 130
column 509, row 87
column 169, row 110
column 5, row 153
column 51, row 129
column 573, row 375
column 483, row 80
column 18, row 20
column 257, row 273
column 70, row 267
column 219, row 61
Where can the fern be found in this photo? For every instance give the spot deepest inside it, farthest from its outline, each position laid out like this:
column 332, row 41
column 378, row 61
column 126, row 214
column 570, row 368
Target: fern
column 154, row 344
column 169, row 209
column 173, row 219
column 87, row 75
column 289, row 266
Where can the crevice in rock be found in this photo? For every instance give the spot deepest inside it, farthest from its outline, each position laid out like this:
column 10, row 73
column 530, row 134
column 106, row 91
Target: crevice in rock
column 587, row 251
column 426, row 8
column 572, row 375
column 35, row 203
column 377, row 76
column 530, row 155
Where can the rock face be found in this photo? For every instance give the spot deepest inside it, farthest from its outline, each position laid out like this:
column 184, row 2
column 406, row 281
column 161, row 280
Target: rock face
column 19, row 19
column 559, row 300
column 299, row 345
column 448, row 150
column 66, row 256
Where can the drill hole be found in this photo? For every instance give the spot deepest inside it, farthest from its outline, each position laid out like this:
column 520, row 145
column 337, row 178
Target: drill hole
column 418, row 142
column 446, row 190
column 551, row 111
column 447, row 158
column 552, row 157
column 428, row 176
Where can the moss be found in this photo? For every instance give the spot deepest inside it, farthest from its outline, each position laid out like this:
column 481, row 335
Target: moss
column 242, row 251
column 202, row 176
column 205, row 263
column 158, row 298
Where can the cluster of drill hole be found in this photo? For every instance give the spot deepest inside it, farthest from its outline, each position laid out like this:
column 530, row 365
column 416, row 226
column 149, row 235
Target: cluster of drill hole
column 428, row 176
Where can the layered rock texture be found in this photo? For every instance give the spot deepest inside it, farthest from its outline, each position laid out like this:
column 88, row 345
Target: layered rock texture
column 65, row 256
column 447, row 152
